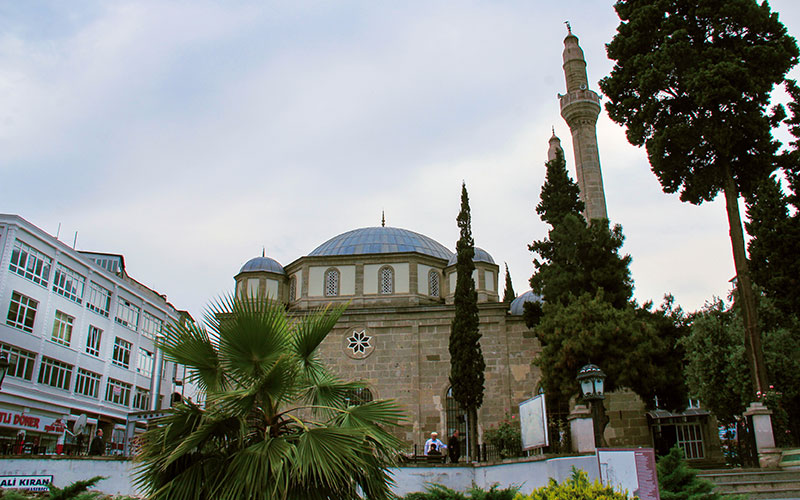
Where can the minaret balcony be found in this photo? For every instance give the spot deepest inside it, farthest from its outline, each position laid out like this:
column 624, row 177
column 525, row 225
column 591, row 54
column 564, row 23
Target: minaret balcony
column 583, row 95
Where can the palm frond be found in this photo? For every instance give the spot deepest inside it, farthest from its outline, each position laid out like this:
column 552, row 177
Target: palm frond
column 309, row 333
column 191, row 346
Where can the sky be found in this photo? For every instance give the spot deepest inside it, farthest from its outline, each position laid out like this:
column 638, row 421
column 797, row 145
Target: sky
column 190, row 135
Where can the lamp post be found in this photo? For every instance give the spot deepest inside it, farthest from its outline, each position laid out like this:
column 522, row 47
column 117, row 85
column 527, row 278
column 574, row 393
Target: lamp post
column 3, row 367
column 591, row 379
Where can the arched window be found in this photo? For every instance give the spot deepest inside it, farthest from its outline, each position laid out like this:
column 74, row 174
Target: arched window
column 456, row 419
column 356, row 397
column 292, row 289
column 386, row 277
column 433, row 283
column 332, row 282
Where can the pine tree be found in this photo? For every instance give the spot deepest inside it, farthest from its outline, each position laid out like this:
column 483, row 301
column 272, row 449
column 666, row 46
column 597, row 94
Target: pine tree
column 466, row 359
column 677, row 481
column 576, row 258
column 508, row 293
column 692, row 83
column 773, row 247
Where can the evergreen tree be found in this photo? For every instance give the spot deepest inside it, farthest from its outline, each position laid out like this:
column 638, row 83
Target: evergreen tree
column 508, row 293
column 466, row 359
column 773, row 246
column 677, row 481
column 576, row 258
column 692, row 83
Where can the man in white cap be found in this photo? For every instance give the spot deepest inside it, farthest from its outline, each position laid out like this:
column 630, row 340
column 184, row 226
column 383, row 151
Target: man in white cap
column 433, row 446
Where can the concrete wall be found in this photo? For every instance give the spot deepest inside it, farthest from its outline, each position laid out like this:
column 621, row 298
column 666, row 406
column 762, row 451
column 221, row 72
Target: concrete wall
column 528, row 475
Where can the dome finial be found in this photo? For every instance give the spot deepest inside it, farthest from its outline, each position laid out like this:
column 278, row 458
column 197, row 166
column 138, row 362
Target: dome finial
column 263, row 252
column 383, row 219
column 569, row 27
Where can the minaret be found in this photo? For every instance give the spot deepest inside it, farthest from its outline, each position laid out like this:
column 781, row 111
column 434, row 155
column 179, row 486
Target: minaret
column 580, row 108
column 555, row 147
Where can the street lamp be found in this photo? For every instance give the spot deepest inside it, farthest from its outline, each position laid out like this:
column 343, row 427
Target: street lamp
column 591, row 378
column 3, row 367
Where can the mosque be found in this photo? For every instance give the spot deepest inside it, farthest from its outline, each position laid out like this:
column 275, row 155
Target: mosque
column 400, row 284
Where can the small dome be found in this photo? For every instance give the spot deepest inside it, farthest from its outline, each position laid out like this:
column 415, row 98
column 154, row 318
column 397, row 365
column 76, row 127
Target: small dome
column 517, row 307
column 378, row 240
column 481, row 255
column 262, row 264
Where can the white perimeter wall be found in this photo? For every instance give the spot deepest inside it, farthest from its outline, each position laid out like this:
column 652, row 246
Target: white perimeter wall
column 527, row 475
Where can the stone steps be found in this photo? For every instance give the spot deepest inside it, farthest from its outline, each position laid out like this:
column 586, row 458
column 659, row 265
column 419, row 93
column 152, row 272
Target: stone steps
column 757, row 484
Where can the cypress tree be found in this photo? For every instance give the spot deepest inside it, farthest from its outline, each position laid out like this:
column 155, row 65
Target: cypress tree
column 466, row 359
column 677, row 481
column 508, row 293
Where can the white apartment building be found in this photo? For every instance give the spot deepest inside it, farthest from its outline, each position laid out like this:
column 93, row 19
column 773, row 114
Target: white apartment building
column 79, row 334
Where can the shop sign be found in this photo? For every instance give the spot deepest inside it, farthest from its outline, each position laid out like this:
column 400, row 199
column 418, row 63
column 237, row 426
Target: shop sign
column 32, row 422
column 32, row 483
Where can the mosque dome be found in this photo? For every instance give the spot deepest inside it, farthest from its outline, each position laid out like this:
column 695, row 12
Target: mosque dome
column 517, row 307
column 262, row 264
column 481, row 255
column 379, row 240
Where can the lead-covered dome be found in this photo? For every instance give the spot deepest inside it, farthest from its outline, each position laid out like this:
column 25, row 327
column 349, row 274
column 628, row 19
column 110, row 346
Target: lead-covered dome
column 481, row 255
column 378, row 240
column 262, row 264
column 517, row 307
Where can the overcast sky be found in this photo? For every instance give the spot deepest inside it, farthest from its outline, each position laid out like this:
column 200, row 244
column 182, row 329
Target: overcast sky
column 188, row 135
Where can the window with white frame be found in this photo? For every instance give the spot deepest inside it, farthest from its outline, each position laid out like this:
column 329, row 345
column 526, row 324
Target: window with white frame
column 30, row 263
column 141, row 399
column 55, row 373
column 87, row 383
column 118, row 392
column 62, row 328
column 68, row 283
column 21, row 312
column 93, row 340
column 433, row 283
column 144, row 364
column 99, row 299
column 20, row 362
column 331, row 282
column 386, row 275
column 690, row 439
column 122, row 353
column 151, row 326
column 127, row 314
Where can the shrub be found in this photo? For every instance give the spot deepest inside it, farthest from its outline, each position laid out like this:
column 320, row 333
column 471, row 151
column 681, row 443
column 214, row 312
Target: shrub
column 576, row 487
column 506, row 438
column 439, row 492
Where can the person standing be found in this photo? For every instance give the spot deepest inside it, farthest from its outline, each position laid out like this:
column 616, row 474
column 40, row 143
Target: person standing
column 97, row 447
column 454, row 447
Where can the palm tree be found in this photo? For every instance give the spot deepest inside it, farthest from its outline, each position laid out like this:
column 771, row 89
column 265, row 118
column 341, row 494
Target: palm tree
column 276, row 424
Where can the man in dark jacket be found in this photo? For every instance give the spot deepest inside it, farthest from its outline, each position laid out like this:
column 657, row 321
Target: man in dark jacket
column 97, row 447
column 454, row 447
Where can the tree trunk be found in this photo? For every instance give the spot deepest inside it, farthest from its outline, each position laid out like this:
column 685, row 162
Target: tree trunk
column 472, row 426
column 745, row 297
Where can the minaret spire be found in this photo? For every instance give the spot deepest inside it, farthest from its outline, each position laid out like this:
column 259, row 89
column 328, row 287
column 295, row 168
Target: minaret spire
column 383, row 219
column 580, row 108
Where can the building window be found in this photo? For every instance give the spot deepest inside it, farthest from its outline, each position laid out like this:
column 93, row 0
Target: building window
column 331, row 282
column 122, row 353
column 55, row 373
column 145, row 362
column 151, row 326
column 292, row 289
column 20, row 362
column 62, row 328
column 99, row 299
column 30, row 263
column 118, row 392
column 357, row 397
column 68, row 283
column 690, row 439
column 433, row 283
column 141, row 399
column 386, row 276
column 21, row 312
column 127, row 314
column 93, row 340
column 87, row 383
